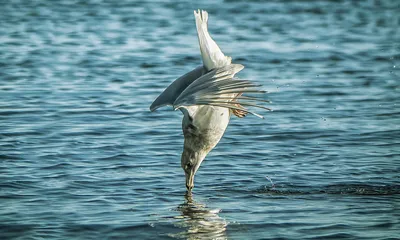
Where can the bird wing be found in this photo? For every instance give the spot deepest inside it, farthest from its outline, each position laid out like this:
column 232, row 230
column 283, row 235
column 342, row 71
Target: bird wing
column 210, row 53
column 217, row 87
column 172, row 91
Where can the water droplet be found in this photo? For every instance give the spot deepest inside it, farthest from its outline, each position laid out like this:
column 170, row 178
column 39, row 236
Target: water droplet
column 394, row 66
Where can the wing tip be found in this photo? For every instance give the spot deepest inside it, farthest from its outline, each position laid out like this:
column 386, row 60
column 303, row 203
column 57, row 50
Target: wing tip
column 153, row 107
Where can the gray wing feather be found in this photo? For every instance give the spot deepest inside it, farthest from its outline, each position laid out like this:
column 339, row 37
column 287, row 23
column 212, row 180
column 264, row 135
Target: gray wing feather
column 170, row 94
column 218, row 88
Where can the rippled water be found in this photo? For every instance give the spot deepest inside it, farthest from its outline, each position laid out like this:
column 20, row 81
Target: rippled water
column 82, row 157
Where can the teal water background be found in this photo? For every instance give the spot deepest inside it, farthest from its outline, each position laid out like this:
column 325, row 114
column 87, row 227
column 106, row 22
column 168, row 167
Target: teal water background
column 82, row 157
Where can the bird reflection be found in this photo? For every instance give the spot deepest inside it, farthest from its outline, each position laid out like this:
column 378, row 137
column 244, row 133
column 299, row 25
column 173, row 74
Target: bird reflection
column 199, row 221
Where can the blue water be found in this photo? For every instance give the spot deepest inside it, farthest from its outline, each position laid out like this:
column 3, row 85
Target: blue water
column 82, row 157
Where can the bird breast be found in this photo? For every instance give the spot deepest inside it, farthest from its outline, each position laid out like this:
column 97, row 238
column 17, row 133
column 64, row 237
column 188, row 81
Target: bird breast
column 203, row 126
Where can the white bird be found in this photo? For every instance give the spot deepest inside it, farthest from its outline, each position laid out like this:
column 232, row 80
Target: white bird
column 207, row 96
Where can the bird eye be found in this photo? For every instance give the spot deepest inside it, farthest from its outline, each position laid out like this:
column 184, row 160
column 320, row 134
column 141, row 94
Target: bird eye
column 189, row 166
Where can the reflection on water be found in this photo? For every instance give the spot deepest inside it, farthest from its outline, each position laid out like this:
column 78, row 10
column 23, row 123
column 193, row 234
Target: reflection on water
column 199, row 222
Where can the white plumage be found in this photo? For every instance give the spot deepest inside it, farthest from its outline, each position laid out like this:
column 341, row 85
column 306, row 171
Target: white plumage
column 211, row 54
column 207, row 96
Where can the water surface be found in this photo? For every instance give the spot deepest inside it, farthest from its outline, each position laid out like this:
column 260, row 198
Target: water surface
column 82, row 157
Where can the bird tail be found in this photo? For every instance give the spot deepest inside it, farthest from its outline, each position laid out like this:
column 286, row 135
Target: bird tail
column 210, row 52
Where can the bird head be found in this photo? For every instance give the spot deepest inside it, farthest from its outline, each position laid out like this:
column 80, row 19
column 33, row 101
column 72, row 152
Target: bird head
column 190, row 163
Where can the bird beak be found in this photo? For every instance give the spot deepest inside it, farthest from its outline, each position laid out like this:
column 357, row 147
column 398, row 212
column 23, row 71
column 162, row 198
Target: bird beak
column 189, row 180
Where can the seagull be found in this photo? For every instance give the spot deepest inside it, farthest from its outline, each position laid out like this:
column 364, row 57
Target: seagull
column 207, row 96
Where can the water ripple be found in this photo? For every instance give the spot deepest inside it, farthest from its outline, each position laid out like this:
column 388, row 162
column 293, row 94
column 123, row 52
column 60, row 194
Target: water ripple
column 81, row 155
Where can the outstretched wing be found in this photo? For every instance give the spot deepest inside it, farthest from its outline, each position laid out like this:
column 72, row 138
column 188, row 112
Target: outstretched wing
column 216, row 88
column 172, row 91
column 219, row 88
column 210, row 53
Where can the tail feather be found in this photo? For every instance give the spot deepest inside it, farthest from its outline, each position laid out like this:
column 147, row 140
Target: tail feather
column 210, row 52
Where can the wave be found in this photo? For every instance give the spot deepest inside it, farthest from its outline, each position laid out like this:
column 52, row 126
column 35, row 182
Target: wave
column 335, row 189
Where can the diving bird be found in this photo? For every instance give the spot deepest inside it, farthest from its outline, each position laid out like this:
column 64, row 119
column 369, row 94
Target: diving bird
column 207, row 96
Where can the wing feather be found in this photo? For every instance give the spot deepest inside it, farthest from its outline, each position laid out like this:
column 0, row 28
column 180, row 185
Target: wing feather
column 219, row 88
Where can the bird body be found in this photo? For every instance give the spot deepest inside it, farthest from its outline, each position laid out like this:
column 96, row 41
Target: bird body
column 207, row 96
column 203, row 127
